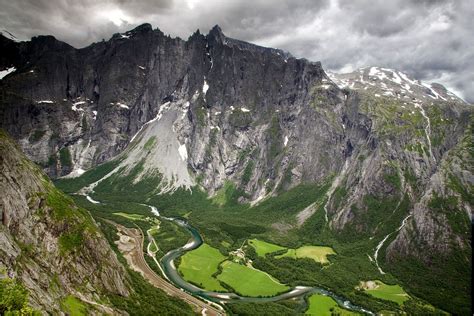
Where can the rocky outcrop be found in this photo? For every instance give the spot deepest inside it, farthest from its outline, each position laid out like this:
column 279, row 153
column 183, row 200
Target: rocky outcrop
column 54, row 248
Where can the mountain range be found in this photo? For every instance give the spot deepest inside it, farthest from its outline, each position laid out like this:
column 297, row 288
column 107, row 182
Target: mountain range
column 152, row 116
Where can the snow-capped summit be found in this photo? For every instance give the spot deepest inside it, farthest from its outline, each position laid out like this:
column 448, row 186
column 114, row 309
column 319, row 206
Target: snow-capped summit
column 393, row 83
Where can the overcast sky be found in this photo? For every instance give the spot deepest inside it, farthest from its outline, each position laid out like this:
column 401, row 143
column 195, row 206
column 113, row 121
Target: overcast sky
column 432, row 40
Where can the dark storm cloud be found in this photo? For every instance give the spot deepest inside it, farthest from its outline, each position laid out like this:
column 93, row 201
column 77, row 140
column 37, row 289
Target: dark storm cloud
column 431, row 40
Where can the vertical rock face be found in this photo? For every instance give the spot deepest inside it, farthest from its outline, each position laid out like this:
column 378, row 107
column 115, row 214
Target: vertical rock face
column 77, row 108
column 89, row 101
column 47, row 242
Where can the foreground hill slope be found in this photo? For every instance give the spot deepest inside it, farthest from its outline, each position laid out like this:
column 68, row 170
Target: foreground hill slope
column 56, row 251
column 53, row 247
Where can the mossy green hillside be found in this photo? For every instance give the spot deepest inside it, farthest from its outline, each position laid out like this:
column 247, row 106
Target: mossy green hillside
column 73, row 306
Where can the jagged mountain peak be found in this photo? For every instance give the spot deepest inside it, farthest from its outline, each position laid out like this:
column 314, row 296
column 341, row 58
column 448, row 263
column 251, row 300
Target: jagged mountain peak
column 140, row 30
column 216, row 35
column 216, row 29
column 196, row 33
column 145, row 27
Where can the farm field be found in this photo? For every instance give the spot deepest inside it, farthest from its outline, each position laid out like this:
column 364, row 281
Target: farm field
column 198, row 266
column 263, row 247
column 394, row 293
column 133, row 217
column 317, row 253
column 322, row 305
column 248, row 281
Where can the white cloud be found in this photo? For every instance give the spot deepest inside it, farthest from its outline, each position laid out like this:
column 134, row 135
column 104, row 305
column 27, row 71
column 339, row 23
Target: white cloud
column 116, row 16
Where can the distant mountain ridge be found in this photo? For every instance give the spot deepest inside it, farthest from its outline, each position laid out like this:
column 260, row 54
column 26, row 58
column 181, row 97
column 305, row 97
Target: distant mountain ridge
column 390, row 82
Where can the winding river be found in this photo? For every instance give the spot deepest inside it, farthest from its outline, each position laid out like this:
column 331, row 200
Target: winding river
column 169, row 268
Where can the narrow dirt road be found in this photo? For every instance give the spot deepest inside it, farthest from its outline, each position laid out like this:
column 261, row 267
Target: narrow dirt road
column 131, row 245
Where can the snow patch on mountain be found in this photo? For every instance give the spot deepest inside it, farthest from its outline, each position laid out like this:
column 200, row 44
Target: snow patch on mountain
column 205, row 87
column 75, row 108
column 123, row 106
column 435, row 94
column 183, row 152
column 6, row 72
